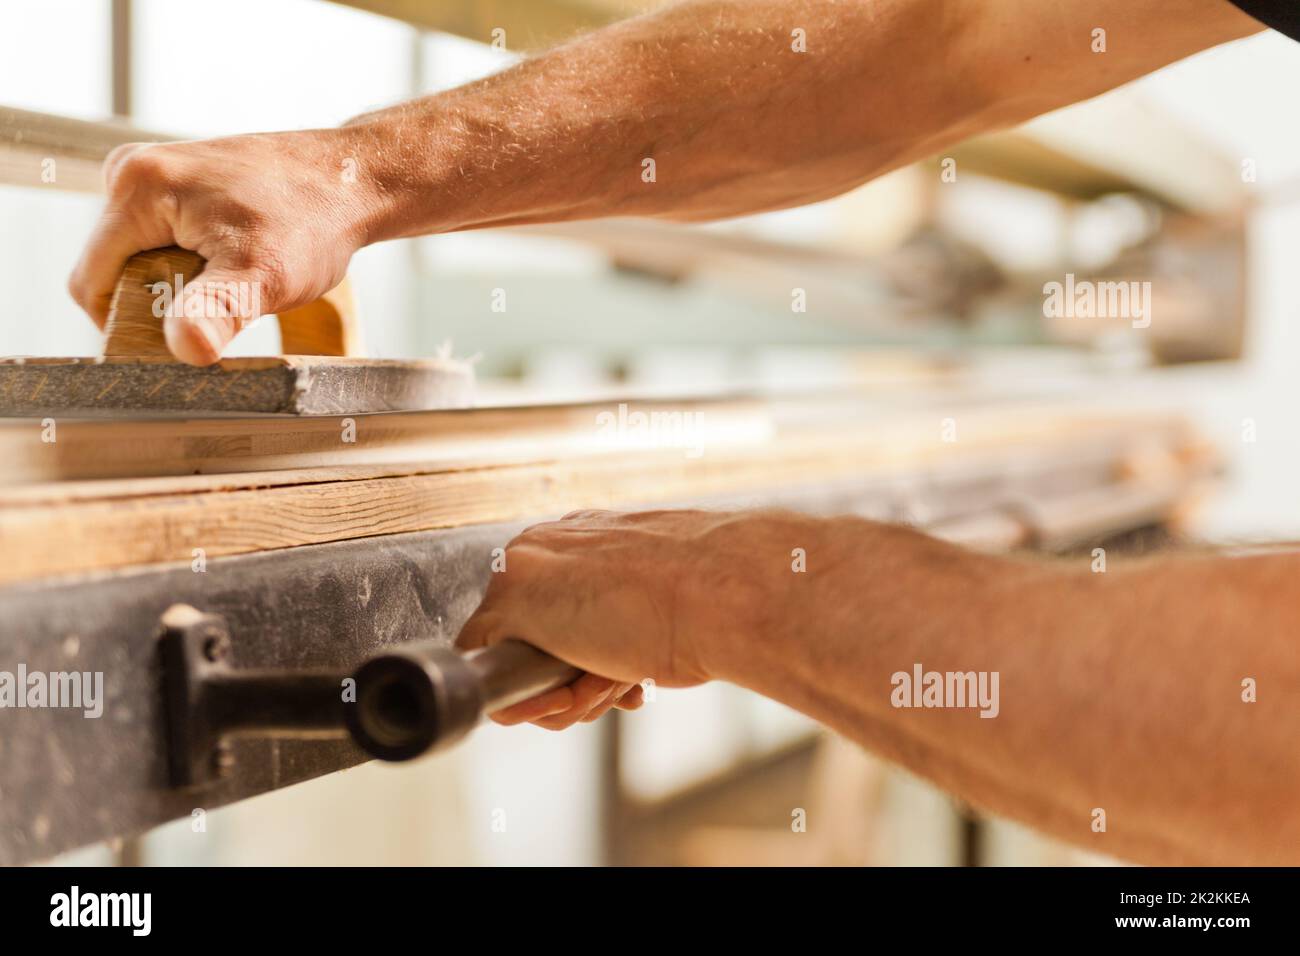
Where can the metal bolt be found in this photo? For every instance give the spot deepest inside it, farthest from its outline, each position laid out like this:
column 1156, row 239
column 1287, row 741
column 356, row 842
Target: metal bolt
column 216, row 646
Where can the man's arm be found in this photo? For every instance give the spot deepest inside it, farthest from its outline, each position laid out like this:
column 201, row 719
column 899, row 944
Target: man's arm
column 735, row 119
column 1119, row 691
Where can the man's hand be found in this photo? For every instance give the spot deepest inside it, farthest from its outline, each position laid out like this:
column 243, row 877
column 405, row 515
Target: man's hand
column 276, row 210
column 1121, row 690
column 662, row 595
column 698, row 111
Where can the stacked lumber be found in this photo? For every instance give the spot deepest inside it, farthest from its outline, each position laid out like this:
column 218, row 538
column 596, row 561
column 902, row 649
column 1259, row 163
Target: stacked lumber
column 112, row 494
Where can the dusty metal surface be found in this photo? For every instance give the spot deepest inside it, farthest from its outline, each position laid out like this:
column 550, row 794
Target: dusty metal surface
column 67, row 780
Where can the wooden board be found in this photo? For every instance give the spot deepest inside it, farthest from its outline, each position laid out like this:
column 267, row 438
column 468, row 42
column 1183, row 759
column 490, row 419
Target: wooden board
column 381, row 444
column 398, row 443
column 283, row 385
column 62, row 528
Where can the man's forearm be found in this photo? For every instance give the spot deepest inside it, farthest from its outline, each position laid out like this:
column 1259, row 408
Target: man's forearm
column 740, row 105
column 1119, row 691
column 738, row 118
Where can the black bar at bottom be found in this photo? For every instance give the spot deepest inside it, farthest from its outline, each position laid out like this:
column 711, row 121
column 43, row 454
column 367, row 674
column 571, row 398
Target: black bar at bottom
column 978, row 909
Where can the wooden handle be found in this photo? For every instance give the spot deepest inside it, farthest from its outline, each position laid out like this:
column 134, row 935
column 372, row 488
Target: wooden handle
column 327, row 326
column 132, row 327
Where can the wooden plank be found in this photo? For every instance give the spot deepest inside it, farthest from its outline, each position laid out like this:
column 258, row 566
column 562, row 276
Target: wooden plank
column 91, row 449
column 382, row 444
column 57, row 535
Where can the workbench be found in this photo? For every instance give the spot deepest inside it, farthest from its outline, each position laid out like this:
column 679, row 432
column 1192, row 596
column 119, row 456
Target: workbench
column 318, row 551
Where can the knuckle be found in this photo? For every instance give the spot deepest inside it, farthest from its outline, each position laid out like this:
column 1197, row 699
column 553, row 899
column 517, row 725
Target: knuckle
column 534, row 531
column 524, row 558
column 136, row 165
column 115, row 159
column 585, row 514
column 659, row 514
column 530, row 536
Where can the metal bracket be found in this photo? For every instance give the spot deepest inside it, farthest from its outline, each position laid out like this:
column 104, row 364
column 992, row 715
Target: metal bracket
column 399, row 704
column 208, row 701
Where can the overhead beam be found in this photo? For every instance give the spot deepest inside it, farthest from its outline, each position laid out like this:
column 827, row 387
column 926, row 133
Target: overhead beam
column 29, row 141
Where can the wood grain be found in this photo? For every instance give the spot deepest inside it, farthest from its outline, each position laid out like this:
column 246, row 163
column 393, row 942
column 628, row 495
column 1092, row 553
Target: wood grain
column 135, row 317
column 328, row 326
column 392, row 443
column 150, row 521
column 383, row 444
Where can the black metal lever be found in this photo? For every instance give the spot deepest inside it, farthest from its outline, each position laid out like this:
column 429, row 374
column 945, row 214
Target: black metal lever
column 399, row 704
column 421, row 697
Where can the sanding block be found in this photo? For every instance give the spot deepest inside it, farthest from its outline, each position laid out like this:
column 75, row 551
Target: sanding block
column 319, row 373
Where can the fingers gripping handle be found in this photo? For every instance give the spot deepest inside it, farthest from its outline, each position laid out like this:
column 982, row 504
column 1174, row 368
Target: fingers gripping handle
column 135, row 317
column 512, row 671
column 425, row 696
column 327, row 326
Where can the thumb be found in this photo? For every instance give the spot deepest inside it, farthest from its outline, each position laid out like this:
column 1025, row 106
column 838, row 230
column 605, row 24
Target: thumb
column 211, row 310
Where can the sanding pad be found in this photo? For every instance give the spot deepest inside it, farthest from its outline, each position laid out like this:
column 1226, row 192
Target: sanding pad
column 285, row 385
column 321, row 372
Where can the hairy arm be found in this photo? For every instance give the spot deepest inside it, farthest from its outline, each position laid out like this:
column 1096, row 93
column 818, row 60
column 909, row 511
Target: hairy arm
column 1119, row 691
column 738, row 120
column 735, row 118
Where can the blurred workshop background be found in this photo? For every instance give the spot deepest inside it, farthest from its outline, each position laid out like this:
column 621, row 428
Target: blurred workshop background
column 1189, row 179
